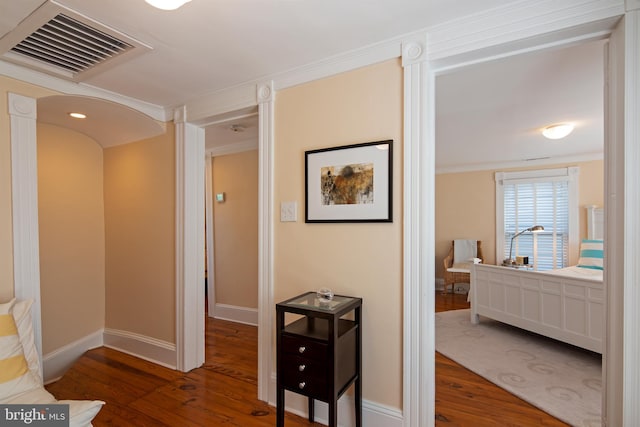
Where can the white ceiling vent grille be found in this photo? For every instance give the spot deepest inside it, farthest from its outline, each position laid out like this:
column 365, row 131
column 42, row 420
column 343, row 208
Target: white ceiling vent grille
column 59, row 41
column 71, row 45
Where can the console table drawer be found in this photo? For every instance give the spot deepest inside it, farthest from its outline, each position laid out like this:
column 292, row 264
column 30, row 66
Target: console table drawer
column 304, row 347
column 294, row 365
column 305, row 385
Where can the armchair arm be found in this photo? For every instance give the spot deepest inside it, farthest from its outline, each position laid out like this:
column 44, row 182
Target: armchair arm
column 448, row 260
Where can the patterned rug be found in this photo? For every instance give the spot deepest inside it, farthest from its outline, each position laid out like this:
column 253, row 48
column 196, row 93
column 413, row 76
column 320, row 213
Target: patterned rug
column 560, row 379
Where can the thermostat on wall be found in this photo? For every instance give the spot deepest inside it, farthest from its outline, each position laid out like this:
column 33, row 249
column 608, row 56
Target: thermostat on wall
column 219, row 197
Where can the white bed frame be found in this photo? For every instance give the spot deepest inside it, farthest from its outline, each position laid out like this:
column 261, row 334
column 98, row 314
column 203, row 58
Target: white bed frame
column 564, row 308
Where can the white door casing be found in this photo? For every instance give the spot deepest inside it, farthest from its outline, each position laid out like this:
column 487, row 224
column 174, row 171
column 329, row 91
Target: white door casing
column 415, row 395
column 24, row 202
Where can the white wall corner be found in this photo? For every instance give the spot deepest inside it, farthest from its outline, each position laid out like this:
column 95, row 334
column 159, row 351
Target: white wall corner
column 57, row 362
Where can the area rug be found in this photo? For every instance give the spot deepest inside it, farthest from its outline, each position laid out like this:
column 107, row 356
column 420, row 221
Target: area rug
column 560, row 379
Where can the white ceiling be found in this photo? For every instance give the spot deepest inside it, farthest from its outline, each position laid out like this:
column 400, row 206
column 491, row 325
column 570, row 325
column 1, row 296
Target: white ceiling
column 491, row 115
column 486, row 114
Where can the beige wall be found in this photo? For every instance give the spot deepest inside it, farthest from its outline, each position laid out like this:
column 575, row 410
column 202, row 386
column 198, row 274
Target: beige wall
column 352, row 259
column 71, row 218
column 6, row 228
column 139, row 194
column 466, row 207
column 236, row 229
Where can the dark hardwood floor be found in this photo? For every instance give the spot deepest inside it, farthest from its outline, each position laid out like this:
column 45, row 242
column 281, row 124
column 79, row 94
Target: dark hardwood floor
column 464, row 398
column 140, row 393
column 223, row 391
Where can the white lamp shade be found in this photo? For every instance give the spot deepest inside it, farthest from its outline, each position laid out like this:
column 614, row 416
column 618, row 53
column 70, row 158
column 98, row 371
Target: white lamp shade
column 557, row 131
column 167, row 4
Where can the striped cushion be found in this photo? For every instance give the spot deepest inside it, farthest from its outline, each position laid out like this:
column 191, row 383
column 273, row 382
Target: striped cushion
column 592, row 254
column 15, row 376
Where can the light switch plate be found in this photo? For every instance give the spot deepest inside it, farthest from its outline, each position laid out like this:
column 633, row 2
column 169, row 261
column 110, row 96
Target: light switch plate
column 288, row 211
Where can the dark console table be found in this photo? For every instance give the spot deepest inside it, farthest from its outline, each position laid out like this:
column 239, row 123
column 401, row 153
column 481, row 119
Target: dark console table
column 319, row 355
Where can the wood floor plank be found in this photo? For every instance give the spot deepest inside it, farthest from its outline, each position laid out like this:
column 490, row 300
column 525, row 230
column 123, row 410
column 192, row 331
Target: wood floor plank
column 464, row 398
column 223, row 392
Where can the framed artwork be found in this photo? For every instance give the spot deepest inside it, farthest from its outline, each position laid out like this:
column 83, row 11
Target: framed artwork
column 350, row 183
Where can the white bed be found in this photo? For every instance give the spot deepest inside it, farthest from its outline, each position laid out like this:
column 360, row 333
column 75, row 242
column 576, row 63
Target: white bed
column 559, row 306
column 567, row 304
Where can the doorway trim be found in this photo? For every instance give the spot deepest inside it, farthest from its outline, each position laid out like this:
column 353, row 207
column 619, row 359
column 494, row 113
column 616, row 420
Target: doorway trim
column 190, row 341
column 419, row 383
column 24, row 202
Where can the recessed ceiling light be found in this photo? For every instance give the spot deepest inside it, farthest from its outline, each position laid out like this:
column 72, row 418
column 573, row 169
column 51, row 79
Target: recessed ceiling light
column 167, row 4
column 557, row 131
column 78, row 115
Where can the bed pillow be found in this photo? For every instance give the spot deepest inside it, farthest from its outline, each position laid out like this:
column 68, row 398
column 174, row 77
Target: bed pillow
column 24, row 321
column 592, row 254
column 15, row 376
column 82, row 412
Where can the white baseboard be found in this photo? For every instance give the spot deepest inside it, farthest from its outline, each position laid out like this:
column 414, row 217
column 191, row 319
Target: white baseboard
column 56, row 363
column 234, row 313
column 147, row 348
column 373, row 414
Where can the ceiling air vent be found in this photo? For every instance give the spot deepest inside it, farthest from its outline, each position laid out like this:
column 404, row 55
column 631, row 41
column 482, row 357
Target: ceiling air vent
column 59, row 41
column 71, row 45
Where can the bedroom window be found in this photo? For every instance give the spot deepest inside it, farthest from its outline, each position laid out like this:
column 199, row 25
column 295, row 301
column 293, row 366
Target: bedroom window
column 542, row 197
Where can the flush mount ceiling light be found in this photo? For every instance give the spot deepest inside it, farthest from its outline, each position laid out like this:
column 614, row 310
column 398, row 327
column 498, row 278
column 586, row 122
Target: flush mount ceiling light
column 78, row 115
column 557, row 131
column 167, row 4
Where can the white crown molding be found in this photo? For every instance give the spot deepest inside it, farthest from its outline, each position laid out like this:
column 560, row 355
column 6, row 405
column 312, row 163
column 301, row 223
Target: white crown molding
column 70, row 88
column 238, row 98
column 632, row 5
column 236, row 147
column 519, row 21
column 343, row 62
column 587, row 157
column 516, row 21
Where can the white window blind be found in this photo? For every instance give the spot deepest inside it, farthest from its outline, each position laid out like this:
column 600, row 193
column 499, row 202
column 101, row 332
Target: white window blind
column 538, row 203
column 531, row 198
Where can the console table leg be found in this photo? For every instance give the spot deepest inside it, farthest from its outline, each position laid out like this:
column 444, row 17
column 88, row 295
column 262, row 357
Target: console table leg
column 358, row 402
column 333, row 413
column 311, row 411
column 280, row 407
